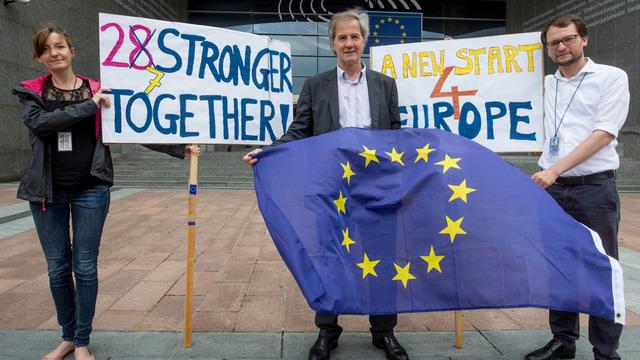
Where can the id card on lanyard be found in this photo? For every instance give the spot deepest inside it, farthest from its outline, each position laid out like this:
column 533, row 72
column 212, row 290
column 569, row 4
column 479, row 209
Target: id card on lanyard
column 64, row 141
column 554, row 142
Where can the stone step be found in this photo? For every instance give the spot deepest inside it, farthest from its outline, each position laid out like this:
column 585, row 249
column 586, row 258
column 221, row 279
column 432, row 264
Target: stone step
column 225, row 170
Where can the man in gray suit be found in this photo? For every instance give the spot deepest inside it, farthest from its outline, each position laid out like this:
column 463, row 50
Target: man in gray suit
column 348, row 96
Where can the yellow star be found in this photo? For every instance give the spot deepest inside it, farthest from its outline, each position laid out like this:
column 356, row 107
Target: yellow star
column 390, row 18
column 346, row 241
column 404, row 34
column 403, row 274
column 340, row 203
column 368, row 266
column 453, row 228
column 401, row 27
column 377, row 41
column 433, row 260
column 381, row 21
column 375, row 33
column 401, row 41
column 348, row 173
column 448, row 163
column 397, row 21
column 395, row 156
column 377, row 26
column 369, row 155
column 424, row 153
column 460, row 191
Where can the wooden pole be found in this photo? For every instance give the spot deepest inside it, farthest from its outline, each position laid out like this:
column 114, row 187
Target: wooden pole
column 458, row 329
column 191, row 248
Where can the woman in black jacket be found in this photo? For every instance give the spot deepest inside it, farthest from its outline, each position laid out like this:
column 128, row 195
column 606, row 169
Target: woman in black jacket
column 68, row 176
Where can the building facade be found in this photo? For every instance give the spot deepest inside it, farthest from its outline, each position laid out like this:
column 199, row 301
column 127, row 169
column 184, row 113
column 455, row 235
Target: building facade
column 614, row 28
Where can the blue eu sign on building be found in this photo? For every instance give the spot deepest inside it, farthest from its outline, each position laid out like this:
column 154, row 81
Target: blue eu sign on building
column 389, row 28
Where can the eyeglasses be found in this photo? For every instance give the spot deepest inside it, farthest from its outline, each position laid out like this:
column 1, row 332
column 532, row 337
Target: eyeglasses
column 566, row 41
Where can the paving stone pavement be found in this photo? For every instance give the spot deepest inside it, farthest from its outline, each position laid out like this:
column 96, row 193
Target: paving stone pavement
column 246, row 303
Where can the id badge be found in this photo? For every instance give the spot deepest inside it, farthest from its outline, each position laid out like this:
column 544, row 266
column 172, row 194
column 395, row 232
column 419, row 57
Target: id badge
column 554, row 145
column 64, row 141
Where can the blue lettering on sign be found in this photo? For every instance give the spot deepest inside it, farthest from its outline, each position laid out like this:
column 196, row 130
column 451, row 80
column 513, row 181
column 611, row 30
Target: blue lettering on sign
column 502, row 111
column 117, row 107
column 266, row 69
column 172, row 118
column 472, row 119
column 210, row 54
column 515, row 119
column 244, row 119
column 192, row 50
column 212, row 114
column 442, row 110
column 469, row 129
column 184, row 115
column 147, row 103
column 168, row 51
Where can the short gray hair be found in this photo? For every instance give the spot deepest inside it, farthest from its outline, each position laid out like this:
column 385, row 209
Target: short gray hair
column 351, row 14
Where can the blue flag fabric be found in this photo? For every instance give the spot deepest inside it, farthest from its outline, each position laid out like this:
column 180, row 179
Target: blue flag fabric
column 390, row 28
column 392, row 221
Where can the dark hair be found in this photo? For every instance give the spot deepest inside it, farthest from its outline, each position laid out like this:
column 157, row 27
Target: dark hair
column 39, row 39
column 563, row 21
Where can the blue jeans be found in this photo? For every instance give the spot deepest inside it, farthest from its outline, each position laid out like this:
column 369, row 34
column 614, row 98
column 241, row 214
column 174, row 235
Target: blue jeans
column 75, row 305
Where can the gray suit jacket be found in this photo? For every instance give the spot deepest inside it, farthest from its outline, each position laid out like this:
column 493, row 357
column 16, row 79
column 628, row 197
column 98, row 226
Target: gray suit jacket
column 318, row 110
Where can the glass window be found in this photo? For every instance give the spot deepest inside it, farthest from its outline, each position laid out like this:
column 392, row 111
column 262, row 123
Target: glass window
column 300, row 45
column 324, row 48
column 272, row 24
column 304, row 65
column 432, row 29
column 298, row 81
column 326, row 64
column 239, row 22
column 467, row 29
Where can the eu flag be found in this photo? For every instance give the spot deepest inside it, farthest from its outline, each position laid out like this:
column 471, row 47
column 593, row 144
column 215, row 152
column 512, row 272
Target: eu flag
column 391, row 221
column 390, row 28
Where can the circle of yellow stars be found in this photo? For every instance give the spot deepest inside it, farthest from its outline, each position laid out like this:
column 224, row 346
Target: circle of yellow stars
column 389, row 20
column 453, row 227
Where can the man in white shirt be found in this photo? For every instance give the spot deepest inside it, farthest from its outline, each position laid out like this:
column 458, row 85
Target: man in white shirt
column 586, row 105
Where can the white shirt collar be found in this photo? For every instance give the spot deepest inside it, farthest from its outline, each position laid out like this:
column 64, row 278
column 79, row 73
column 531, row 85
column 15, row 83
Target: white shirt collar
column 589, row 67
column 343, row 75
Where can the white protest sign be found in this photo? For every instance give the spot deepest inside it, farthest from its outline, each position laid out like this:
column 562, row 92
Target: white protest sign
column 182, row 83
column 487, row 89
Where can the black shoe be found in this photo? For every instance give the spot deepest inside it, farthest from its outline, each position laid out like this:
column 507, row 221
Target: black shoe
column 553, row 350
column 391, row 347
column 321, row 349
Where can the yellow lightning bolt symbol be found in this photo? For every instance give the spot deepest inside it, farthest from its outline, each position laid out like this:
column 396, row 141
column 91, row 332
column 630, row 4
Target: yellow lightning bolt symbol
column 155, row 82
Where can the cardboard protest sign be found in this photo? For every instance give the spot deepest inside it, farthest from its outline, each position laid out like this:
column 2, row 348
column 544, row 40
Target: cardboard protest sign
column 487, row 89
column 182, row 83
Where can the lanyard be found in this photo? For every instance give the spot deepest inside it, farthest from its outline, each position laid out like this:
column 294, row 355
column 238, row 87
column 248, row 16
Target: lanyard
column 555, row 106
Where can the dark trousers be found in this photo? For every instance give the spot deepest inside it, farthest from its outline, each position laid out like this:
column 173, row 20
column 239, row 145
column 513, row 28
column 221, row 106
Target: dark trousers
column 381, row 325
column 598, row 207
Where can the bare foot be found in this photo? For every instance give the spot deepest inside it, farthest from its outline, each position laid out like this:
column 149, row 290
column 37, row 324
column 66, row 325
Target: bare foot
column 83, row 353
column 64, row 349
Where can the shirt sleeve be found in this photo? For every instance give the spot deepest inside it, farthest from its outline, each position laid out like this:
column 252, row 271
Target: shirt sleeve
column 614, row 104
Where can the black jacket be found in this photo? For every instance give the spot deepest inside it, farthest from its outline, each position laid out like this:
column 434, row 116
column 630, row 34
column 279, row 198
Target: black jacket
column 36, row 185
column 318, row 109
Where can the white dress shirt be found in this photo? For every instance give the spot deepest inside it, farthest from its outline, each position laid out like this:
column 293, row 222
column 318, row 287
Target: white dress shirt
column 600, row 103
column 353, row 97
